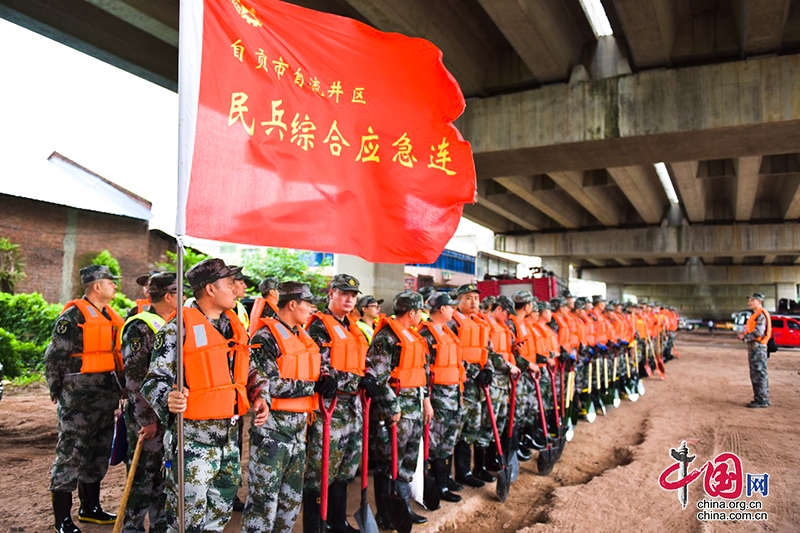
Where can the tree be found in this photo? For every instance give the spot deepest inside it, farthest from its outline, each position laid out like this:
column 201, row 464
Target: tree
column 286, row 265
column 190, row 258
column 11, row 265
column 105, row 258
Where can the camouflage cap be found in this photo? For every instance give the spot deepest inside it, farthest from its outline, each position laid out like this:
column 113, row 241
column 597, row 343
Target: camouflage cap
column 143, row 279
column 467, row 288
column 556, row 303
column 162, row 283
column 96, row 273
column 295, row 290
column 506, row 303
column 580, row 302
column 208, row 271
column 268, row 284
column 364, row 301
column 756, row 296
column 522, row 297
column 544, row 306
column 437, row 300
column 566, row 294
column 613, row 303
column 598, row 298
column 426, row 291
column 345, row 282
column 407, row 301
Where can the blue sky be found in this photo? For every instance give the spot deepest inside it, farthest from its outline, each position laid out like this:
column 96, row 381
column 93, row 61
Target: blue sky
column 54, row 98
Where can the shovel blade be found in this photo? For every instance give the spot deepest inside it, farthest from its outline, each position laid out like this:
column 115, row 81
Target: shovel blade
column 503, row 484
column 591, row 413
column 547, row 459
column 513, row 467
column 430, row 494
column 398, row 509
column 640, row 388
column 365, row 519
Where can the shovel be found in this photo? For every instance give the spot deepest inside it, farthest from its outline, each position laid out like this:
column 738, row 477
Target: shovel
column 123, row 503
column 615, row 381
column 327, row 414
column 398, row 508
column 560, row 430
column 430, row 492
column 364, row 517
column 503, row 481
column 547, row 455
column 513, row 441
column 647, row 369
column 630, row 385
column 569, row 412
column 596, row 397
column 591, row 413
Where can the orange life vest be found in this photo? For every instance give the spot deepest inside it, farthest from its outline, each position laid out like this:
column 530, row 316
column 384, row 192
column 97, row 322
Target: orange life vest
column 502, row 338
column 447, row 369
column 142, row 304
column 255, row 313
column 590, row 328
column 601, row 331
column 750, row 326
column 526, row 342
column 474, row 337
column 213, row 394
column 348, row 345
column 566, row 337
column 550, row 341
column 410, row 371
column 101, row 338
column 299, row 360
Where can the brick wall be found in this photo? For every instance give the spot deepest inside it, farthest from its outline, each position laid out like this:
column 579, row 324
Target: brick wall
column 39, row 228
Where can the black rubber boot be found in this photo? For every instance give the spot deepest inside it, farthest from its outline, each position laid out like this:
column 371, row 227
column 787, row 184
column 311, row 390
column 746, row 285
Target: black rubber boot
column 492, row 460
column 462, row 456
column 451, row 483
column 479, row 464
column 311, row 519
column 526, row 442
column 337, row 508
column 383, row 500
column 90, row 510
column 62, row 509
column 440, row 474
column 404, row 492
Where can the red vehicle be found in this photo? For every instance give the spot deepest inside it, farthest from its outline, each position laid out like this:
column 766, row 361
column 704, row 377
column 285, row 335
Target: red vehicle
column 786, row 330
column 543, row 288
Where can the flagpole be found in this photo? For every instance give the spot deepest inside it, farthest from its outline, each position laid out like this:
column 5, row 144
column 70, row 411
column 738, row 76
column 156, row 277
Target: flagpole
column 190, row 42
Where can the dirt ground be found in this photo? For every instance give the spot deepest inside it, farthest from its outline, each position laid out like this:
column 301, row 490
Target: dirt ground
column 607, row 479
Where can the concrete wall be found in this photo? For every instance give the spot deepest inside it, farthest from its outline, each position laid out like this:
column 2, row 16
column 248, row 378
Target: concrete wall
column 382, row 280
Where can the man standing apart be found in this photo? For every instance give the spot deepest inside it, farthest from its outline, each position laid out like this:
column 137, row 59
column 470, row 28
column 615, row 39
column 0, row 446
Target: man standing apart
column 757, row 332
column 80, row 366
column 343, row 350
column 221, row 381
column 147, row 496
column 290, row 361
column 397, row 360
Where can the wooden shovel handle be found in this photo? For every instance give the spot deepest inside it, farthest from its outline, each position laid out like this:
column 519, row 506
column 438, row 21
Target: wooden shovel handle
column 128, row 485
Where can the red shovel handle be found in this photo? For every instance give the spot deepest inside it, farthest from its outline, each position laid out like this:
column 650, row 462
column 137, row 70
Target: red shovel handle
column 555, row 395
column 513, row 403
column 494, row 422
column 536, row 377
column 327, row 414
column 365, row 402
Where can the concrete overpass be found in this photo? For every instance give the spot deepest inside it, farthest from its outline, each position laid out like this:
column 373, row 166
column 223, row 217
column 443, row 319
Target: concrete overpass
column 567, row 126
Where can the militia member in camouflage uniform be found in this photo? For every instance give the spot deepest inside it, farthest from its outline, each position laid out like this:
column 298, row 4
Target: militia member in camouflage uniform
column 215, row 355
column 343, row 348
column 500, row 353
column 290, row 360
column 757, row 332
column 447, row 374
column 527, row 406
column 147, row 496
column 80, row 365
column 466, row 319
column 396, row 357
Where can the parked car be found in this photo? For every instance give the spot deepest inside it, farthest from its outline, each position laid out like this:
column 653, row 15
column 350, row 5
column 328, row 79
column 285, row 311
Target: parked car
column 786, row 330
column 740, row 319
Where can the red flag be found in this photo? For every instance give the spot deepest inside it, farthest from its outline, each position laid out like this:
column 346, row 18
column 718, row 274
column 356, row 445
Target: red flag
column 317, row 132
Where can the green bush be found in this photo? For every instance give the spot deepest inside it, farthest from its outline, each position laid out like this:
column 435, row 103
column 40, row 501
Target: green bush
column 105, row 258
column 9, row 357
column 28, row 316
column 121, row 304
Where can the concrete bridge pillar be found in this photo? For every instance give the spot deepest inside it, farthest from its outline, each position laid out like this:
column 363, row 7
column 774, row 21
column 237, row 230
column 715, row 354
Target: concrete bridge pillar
column 382, row 280
column 786, row 290
column 558, row 265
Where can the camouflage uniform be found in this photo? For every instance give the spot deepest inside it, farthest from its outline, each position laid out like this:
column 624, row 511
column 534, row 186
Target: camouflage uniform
column 346, row 422
column 86, row 404
column 446, row 403
column 527, row 405
column 498, row 392
column 147, row 497
column 757, row 359
column 212, row 469
column 473, row 398
column 382, row 357
column 277, row 449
